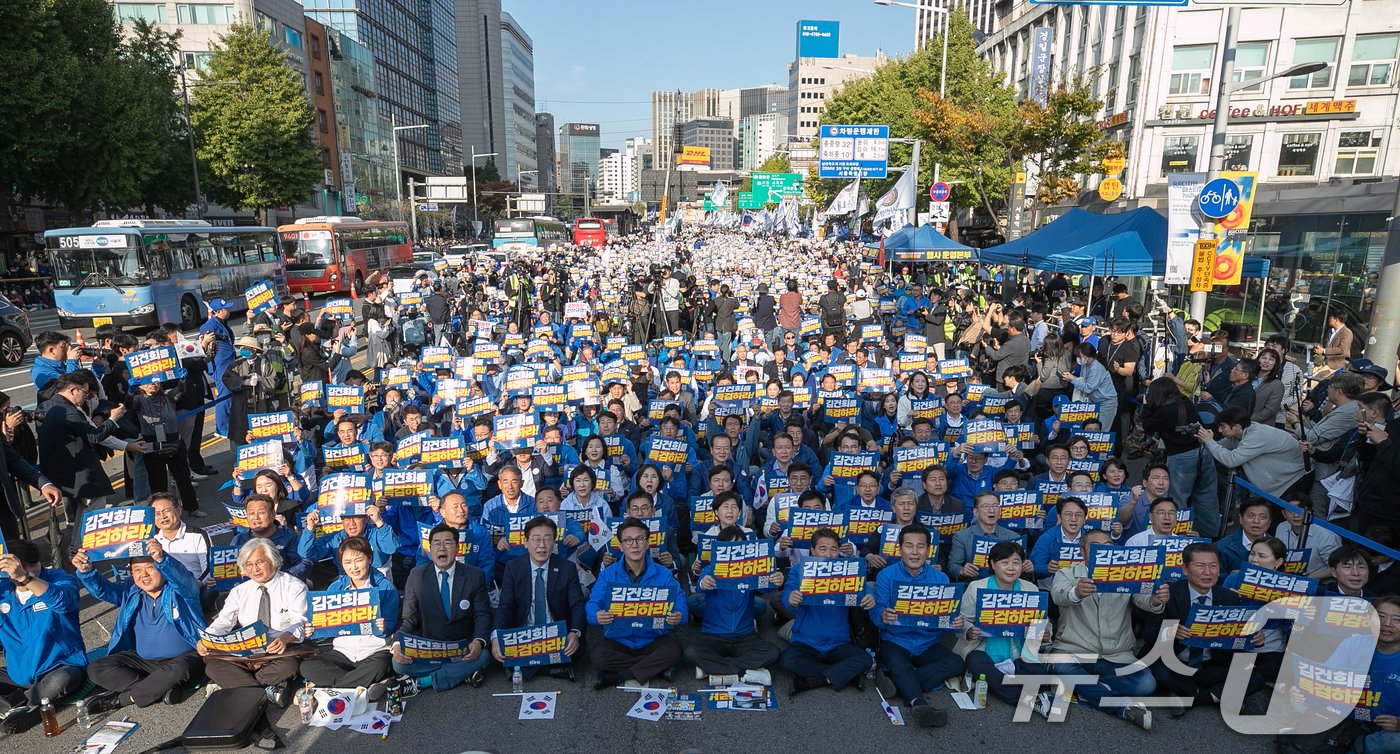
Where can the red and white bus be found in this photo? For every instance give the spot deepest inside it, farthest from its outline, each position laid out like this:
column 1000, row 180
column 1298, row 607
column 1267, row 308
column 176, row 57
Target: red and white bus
column 589, row 231
column 330, row 254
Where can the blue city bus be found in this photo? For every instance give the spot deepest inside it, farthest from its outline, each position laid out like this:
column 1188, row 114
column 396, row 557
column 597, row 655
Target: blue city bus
column 522, row 234
column 142, row 273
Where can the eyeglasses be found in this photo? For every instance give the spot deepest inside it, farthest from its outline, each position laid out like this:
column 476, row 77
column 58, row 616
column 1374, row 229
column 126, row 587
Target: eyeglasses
column 633, row 541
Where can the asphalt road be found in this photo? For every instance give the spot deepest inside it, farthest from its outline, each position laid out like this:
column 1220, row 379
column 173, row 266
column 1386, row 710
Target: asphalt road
column 467, row 719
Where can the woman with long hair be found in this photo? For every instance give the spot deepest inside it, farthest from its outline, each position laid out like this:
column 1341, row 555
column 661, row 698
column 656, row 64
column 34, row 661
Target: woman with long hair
column 1056, row 356
column 1268, row 388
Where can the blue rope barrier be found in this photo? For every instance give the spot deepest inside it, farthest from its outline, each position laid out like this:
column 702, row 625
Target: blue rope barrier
column 205, row 407
column 1315, row 521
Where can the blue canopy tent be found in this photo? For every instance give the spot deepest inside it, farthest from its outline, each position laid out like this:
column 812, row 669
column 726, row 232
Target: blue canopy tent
column 923, row 244
column 1124, row 244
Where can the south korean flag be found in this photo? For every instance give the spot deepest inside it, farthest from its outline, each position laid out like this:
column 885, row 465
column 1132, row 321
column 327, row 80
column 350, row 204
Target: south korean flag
column 537, row 706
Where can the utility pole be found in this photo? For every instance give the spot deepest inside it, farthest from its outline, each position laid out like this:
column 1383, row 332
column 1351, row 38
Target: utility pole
column 1201, row 299
column 1385, row 321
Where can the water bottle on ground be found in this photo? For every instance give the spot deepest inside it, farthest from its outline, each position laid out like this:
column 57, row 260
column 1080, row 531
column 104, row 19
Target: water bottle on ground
column 84, row 720
column 979, row 695
column 306, row 703
column 49, row 717
column 870, row 671
column 517, row 681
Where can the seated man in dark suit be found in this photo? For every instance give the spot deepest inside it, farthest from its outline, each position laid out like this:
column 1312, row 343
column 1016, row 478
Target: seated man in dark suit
column 1201, row 563
column 538, row 589
column 445, row 600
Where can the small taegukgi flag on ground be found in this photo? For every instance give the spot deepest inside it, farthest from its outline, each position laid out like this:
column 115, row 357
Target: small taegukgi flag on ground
column 537, row 705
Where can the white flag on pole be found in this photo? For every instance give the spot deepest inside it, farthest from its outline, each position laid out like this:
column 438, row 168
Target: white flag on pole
column 538, row 705
column 651, row 706
column 846, row 200
column 720, row 194
column 899, row 198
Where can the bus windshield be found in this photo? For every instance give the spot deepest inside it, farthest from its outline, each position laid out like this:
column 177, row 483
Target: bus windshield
column 73, row 267
column 298, row 248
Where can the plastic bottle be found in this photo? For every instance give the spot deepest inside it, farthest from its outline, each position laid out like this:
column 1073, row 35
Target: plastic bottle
column 306, row 703
column 870, row 671
column 517, row 681
column 84, row 720
column 979, row 694
column 49, row 717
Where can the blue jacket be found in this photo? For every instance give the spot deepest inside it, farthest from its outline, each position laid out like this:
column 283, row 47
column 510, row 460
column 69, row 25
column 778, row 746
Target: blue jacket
column 388, row 597
column 383, row 540
column 916, row 640
column 495, row 517
column 700, row 480
column 179, row 602
column 43, row 633
column 223, row 347
column 1047, row 548
column 821, row 627
column 1233, row 552
column 46, row 370
column 481, row 552
column 728, row 612
column 963, row 486
column 286, row 541
column 616, row 575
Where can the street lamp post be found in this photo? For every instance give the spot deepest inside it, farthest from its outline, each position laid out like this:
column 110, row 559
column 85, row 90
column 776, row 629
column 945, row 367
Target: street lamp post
column 189, row 128
column 398, row 175
column 942, row 67
column 518, row 173
column 476, row 223
column 1225, row 88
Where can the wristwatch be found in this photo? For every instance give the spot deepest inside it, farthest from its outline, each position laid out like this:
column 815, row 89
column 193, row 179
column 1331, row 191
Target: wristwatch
column 28, row 577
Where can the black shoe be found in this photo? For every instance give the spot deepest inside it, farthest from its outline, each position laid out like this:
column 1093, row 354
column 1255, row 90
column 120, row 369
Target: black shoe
column 179, row 694
column 377, row 690
column 885, row 684
column 101, row 704
column 565, row 672
column 802, row 685
column 605, row 680
column 858, row 684
column 19, row 720
column 280, row 695
column 477, row 678
column 669, row 674
column 928, row 716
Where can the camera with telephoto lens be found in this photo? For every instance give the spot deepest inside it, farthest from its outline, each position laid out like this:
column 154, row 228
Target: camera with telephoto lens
column 92, row 352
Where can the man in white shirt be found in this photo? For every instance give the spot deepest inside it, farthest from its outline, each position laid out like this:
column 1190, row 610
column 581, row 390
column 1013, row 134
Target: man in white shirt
column 1319, row 542
column 188, row 545
column 268, row 596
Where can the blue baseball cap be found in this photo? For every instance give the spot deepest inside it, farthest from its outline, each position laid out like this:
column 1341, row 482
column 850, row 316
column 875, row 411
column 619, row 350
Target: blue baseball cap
column 218, row 304
column 1090, row 322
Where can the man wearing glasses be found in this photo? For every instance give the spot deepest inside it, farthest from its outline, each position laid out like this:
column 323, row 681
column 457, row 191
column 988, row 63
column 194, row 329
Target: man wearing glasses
column 540, row 589
column 68, row 442
column 628, row 653
column 446, row 600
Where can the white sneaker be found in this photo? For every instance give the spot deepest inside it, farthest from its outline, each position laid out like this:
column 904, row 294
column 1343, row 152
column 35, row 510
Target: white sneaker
column 1139, row 715
column 198, row 477
column 759, row 677
column 699, row 673
column 209, row 689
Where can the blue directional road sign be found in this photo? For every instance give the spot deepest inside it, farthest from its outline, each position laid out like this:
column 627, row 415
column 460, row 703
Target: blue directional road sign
column 1219, row 198
column 856, row 151
column 427, row 208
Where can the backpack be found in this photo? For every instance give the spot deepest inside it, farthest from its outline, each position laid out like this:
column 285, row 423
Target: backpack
column 272, row 371
column 833, row 313
column 415, row 332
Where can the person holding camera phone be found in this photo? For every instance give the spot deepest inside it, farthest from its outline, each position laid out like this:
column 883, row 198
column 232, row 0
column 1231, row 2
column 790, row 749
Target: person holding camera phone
column 168, row 457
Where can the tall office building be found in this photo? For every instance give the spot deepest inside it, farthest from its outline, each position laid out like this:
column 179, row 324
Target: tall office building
column 811, row 82
column 668, row 110
column 362, row 127
column 928, row 24
column 760, row 137
column 518, row 59
column 716, row 135
column 545, row 157
column 415, row 69
column 578, row 160
column 481, row 80
column 640, row 155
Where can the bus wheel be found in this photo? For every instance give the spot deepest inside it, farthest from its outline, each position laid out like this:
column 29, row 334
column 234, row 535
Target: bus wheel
column 359, row 284
column 189, row 313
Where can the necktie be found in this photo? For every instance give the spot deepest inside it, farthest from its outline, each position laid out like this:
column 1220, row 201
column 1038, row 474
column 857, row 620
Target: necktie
column 445, row 589
column 1197, row 655
column 539, row 614
column 265, row 608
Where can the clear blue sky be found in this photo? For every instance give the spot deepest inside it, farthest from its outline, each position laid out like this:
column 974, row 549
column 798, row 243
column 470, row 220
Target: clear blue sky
column 599, row 62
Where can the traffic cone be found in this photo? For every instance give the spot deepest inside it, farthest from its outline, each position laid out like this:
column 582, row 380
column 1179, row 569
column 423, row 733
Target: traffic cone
column 78, row 342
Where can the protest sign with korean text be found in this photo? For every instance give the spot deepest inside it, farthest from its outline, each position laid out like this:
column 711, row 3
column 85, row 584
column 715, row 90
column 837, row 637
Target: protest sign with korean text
column 932, row 606
column 352, row 612
column 534, row 646
column 117, row 533
column 832, row 581
column 1126, row 570
column 1005, row 614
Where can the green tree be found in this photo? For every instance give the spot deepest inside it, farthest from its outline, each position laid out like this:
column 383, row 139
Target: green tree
column 488, row 171
column 162, row 145
column 253, row 125
column 1062, row 140
column 88, row 116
